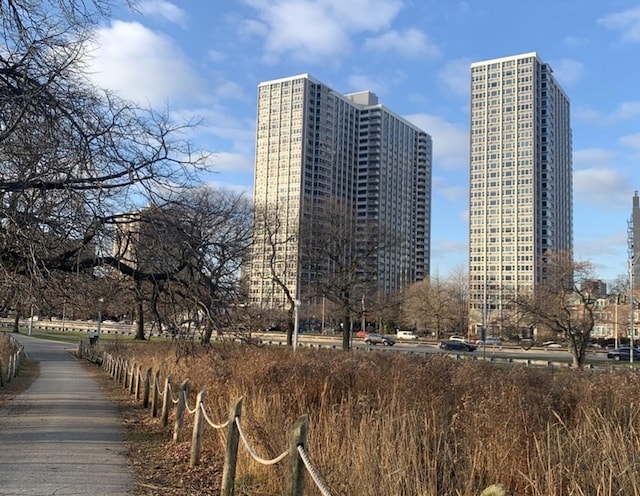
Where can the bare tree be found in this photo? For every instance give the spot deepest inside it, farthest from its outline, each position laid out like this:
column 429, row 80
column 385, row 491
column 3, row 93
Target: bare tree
column 72, row 157
column 184, row 259
column 438, row 305
column 337, row 254
column 271, row 239
column 564, row 302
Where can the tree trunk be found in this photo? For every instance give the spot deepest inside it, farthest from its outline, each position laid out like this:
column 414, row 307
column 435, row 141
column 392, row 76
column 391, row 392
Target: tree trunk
column 346, row 331
column 140, row 322
column 290, row 324
column 16, row 322
column 206, row 336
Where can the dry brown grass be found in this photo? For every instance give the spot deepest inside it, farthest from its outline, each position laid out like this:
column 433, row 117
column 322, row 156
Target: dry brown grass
column 390, row 424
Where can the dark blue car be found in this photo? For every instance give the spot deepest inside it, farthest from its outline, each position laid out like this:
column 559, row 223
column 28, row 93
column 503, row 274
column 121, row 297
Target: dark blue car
column 457, row 346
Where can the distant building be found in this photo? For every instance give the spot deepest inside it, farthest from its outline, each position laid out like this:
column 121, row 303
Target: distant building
column 315, row 146
column 635, row 239
column 147, row 240
column 520, row 198
column 595, row 288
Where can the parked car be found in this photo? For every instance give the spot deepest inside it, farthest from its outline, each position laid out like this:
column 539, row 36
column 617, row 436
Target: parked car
column 552, row 344
column 457, row 346
column 489, row 341
column 623, row 353
column 373, row 338
column 406, row 335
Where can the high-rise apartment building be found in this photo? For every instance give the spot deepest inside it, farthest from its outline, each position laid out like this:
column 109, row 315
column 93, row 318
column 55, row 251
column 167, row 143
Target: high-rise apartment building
column 520, row 204
column 316, row 147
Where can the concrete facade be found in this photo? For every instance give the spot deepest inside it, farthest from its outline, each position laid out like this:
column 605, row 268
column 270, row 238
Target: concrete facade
column 520, row 204
column 314, row 146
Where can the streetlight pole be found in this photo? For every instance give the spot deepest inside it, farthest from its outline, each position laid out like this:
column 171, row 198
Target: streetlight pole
column 64, row 308
column 31, row 320
column 615, row 324
column 100, row 300
column 322, row 315
column 632, row 261
column 296, row 323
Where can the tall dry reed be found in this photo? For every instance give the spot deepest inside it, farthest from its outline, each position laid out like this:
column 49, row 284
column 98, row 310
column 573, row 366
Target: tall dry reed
column 391, row 424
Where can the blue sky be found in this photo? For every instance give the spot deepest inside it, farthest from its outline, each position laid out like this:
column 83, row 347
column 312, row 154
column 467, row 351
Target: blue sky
column 205, row 58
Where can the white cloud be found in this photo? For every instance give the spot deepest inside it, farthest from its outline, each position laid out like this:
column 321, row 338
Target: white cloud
column 230, row 90
column 625, row 111
column 568, row 71
column 310, row 30
column 603, row 247
column 450, row 142
column 627, row 23
column 142, row 65
column 455, row 76
column 631, row 140
column 362, row 82
column 232, row 162
column 379, row 85
column 600, row 186
column 590, row 157
column 410, row 43
column 163, row 9
column 246, row 190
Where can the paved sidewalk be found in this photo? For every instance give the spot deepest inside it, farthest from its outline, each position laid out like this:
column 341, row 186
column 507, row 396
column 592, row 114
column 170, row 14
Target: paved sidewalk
column 62, row 436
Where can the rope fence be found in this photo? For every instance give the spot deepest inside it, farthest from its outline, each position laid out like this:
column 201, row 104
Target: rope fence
column 146, row 386
column 10, row 369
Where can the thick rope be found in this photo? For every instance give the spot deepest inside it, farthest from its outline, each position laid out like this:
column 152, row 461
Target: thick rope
column 157, row 386
column 175, row 402
column 210, row 422
column 186, row 404
column 313, row 472
column 252, row 453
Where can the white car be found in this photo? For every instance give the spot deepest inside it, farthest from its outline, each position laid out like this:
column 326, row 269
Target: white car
column 489, row 341
column 406, row 335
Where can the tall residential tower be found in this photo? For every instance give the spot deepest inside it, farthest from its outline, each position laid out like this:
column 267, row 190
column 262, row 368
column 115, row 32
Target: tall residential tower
column 520, row 204
column 315, row 148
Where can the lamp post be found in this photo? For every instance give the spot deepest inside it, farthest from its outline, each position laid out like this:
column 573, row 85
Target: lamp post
column 296, row 322
column 31, row 319
column 64, row 308
column 632, row 261
column 323, row 305
column 101, row 301
column 633, row 257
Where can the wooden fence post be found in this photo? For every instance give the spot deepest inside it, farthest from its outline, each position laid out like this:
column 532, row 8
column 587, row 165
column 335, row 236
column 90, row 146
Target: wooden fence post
column 12, row 372
column 166, row 402
column 147, row 389
column 231, row 454
column 177, row 425
column 137, row 385
column 125, row 374
column 196, row 437
column 298, row 437
column 132, row 372
column 121, row 366
column 155, row 396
